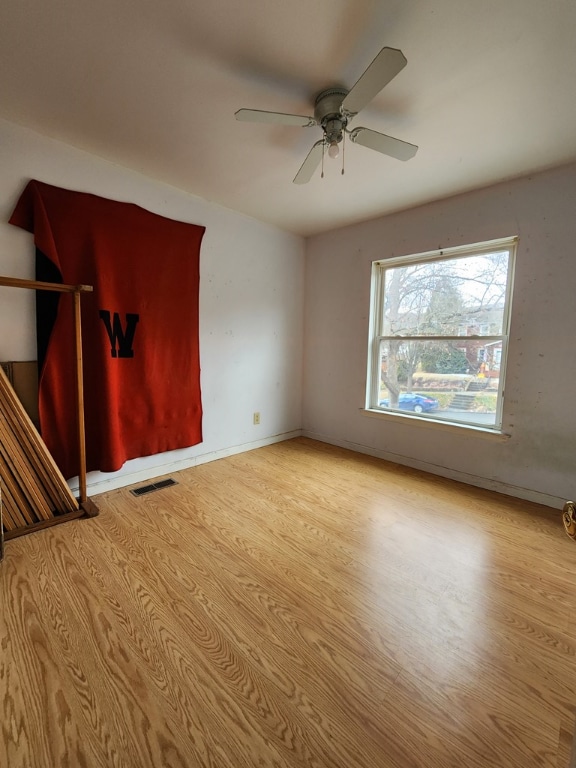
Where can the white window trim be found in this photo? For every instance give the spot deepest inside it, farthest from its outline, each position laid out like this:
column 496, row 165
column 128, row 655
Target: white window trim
column 429, row 422
column 376, row 316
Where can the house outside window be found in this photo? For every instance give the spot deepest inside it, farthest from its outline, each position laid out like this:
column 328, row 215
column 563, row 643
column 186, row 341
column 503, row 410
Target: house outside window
column 439, row 334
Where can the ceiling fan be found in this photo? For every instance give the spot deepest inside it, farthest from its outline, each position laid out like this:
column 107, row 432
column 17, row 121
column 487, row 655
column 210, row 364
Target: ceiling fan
column 335, row 108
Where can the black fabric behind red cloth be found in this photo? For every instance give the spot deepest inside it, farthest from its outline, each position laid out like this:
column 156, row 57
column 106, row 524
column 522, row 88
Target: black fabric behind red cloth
column 139, row 326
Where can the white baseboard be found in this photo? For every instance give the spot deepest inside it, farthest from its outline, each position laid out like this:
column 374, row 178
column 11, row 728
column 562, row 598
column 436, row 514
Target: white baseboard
column 528, row 494
column 463, row 477
column 129, row 478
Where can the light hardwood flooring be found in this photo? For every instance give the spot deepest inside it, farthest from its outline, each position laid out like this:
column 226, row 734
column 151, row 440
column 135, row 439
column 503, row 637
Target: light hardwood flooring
column 298, row 605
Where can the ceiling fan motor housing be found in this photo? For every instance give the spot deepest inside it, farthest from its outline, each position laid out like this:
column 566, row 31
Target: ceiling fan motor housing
column 327, row 113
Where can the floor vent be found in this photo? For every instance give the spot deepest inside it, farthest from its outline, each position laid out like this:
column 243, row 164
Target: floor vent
column 153, row 487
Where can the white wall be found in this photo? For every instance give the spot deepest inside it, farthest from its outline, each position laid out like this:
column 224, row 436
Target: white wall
column 251, row 299
column 539, row 460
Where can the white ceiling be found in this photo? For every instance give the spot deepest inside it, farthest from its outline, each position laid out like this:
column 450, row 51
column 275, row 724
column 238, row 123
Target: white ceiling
column 488, row 94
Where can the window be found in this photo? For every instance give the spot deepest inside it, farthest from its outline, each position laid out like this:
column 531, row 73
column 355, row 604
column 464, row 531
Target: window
column 439, row 334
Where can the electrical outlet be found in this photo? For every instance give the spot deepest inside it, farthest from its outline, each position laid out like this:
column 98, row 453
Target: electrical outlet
column 256, row 417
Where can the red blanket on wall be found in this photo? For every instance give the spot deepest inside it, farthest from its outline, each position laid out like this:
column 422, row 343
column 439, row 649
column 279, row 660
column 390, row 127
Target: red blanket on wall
column 139, row 326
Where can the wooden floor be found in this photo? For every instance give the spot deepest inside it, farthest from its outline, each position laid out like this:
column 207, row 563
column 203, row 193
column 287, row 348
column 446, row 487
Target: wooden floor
column 299, row 605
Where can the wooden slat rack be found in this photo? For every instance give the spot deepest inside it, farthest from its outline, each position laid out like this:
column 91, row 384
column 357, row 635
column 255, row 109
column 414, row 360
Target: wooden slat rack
column 35, row 494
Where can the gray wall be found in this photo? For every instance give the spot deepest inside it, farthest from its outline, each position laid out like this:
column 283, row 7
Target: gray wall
column 539, row 460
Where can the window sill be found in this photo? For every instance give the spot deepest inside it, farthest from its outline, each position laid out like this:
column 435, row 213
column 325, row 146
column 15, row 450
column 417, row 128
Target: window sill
column 432, row 423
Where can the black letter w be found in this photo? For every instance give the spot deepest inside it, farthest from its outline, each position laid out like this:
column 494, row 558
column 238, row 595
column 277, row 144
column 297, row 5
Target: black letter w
column 116, row 333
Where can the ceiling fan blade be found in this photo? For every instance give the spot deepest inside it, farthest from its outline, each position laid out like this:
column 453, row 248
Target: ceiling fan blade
column 401, row 150
column 310, row 164
column 383, row 69
column 259, row 116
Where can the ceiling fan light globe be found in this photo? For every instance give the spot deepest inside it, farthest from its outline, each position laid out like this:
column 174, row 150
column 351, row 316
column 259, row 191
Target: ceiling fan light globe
column 333, row 150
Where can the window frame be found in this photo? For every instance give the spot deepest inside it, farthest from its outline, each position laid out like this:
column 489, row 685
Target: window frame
column 376, row 324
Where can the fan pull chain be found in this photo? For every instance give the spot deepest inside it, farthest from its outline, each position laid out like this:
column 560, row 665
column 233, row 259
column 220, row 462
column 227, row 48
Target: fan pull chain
column 343, row 150
column 323, row 151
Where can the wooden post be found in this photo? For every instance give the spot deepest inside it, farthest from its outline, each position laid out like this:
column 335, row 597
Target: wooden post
column 80, row 398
